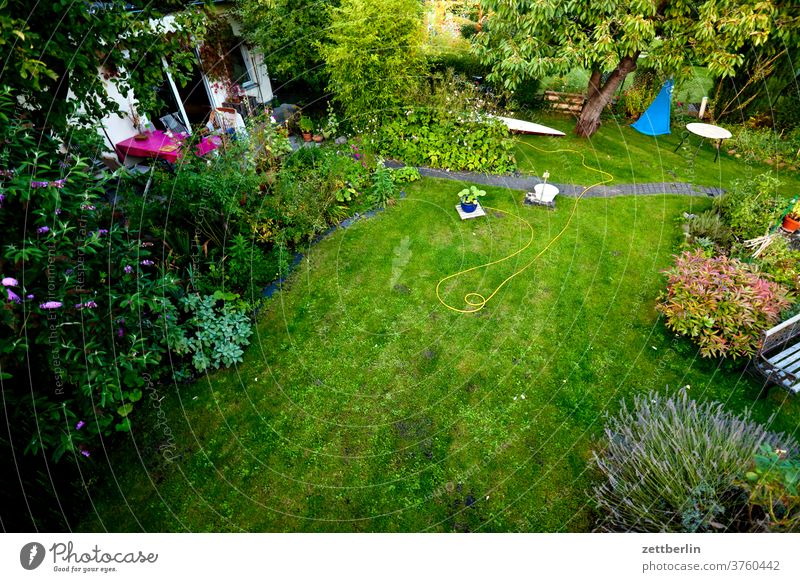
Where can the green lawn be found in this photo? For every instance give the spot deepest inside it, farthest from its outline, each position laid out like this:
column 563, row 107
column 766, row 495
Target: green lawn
column 364, row 405
column 632, row 157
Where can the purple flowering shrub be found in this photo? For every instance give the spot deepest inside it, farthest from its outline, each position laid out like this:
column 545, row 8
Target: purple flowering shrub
column 85, row 304
column 720, row 303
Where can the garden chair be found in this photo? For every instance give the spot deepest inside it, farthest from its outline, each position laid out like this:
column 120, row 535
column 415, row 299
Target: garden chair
column 226, row 120
column 172, row 122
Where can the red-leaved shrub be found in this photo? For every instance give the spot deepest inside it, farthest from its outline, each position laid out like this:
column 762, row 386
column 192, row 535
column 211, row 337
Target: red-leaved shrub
column 720, row 303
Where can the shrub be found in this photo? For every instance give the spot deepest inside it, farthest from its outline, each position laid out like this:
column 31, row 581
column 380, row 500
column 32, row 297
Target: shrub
column 405, row 174
column 88, row 302
column 773, row 483
column 720, row 304
column 214, row 333
column 469, row 29
column 781, row 264
column 248, row 268
column 787, row 111
column 440, row 140
column 709, row 225
column 373, row 55
column 461, row 63
column 763, row 144
column 752, row 206
column 529, row 95
column 670, row 464
column 638, row 97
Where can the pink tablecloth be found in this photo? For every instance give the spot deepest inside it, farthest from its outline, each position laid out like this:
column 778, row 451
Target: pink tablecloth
column 160, row 145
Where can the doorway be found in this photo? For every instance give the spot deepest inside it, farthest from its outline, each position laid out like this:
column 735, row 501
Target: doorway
column 194, row 97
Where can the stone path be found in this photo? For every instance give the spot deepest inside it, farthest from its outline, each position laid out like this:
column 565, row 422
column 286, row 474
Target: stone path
column 526, row 183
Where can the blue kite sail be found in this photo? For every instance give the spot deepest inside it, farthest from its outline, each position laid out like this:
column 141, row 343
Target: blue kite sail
column 655, row 121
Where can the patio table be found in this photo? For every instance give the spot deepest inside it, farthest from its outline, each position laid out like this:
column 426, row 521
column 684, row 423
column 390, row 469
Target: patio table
column 159, row 145
column 706, row 131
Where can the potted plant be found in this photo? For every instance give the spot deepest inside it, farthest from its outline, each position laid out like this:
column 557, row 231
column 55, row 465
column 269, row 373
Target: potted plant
column 306, row 127
column 318, row 137
column 469, row 198
column 791, row 222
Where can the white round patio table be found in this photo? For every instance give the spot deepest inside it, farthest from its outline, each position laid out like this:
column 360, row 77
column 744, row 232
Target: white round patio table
column 706, row 131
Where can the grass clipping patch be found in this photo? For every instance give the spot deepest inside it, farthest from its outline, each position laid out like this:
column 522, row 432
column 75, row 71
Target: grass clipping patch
column 672, row 465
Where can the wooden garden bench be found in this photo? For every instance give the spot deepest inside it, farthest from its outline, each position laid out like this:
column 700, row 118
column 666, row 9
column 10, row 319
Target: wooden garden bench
column 778, row 359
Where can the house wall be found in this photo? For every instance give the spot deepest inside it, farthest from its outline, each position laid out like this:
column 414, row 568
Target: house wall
column 116, row 127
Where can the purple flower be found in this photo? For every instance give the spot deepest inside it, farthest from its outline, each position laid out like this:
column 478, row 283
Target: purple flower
column 128, row 269
column 29, row 296
column 147, row 263
column 51, row 305
column 10, row 282
column 84, row 452
column 87, row 206
column 37, row 184
column 2, row 199
column 59, row 183
column 80, row 425
column 58, row 211
column 88, row 304
column 102, row 231
column 68, row 272
column 43, row 229
column 13, row 296
column 6, row 173
column 120, row 332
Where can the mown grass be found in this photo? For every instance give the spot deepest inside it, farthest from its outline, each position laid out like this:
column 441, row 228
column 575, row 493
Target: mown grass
column 363, row 404
column 632, row 157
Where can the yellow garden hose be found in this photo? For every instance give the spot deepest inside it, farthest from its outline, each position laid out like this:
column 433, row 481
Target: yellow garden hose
column 478, row 301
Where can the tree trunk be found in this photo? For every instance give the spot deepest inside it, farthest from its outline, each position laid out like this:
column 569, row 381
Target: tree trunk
column 598, row 96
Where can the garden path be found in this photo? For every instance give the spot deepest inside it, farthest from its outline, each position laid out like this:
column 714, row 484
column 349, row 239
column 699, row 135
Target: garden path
column 526, row 183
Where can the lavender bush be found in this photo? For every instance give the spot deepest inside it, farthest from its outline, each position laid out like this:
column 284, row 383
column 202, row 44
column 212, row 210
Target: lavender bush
column 672, row 465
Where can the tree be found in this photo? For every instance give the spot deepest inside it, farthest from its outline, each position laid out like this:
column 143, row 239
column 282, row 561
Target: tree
column 526, row 39
column 374, row 55
column 48, row 49
column 288, row 32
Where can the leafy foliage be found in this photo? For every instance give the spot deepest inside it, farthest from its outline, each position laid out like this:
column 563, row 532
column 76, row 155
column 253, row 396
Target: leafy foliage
column 752, row 206
column 88, row 303
column 288, row 32
column 529, row 39
column 774, row 486
column 214, row 333
column 638, row 97
column 42, row 61
column 374, row 56
column 382, row 188
column 670, row 464
column 758, row 144
column 470, row 195
column 440, row 140
column 405, row 175
column 447, row 128
column 720, row 303
column 709, row 225
column 781, row 264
